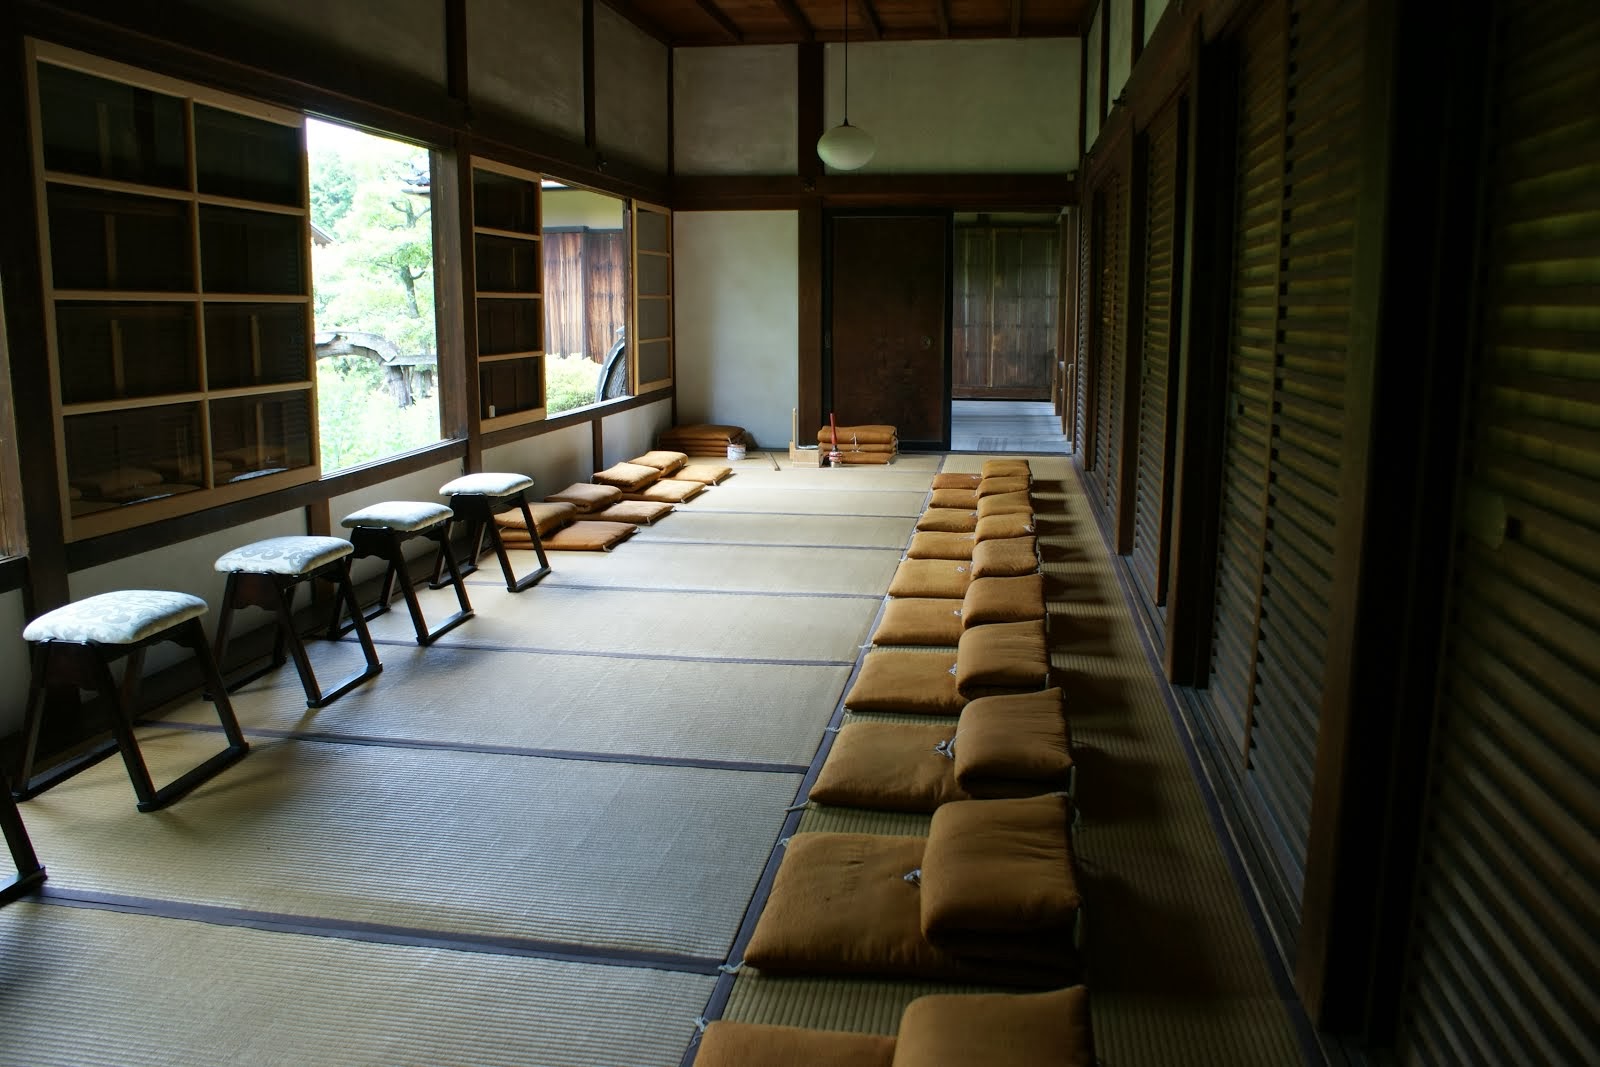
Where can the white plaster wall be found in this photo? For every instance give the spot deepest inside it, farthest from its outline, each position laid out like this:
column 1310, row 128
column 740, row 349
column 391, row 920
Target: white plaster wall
column 736, row 308
column 420, row 485
column 633, row 432
column 1093, row 112
column 13, row 662
column 1120, row 62
column 525, row 59
column 553, row 460
column 406, row 35
column 736, row 110
column 962, row 106
column 630, row 91
column 1153, row 10
column 580, row 207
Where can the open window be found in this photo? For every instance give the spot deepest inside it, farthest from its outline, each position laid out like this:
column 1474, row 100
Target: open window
column 586, row 264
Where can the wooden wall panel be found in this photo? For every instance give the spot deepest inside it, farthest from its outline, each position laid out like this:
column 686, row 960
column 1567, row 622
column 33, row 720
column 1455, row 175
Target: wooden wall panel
column 1505, row 944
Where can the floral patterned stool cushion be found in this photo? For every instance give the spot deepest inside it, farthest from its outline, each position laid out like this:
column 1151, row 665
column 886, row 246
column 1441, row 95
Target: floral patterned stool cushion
column 265, row 574
column 476, row 499
column 75, row 645
column 380, row 530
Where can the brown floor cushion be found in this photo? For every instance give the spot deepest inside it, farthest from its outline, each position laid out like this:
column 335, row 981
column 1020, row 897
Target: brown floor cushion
column 998, row 881
column 587, row 535
column 1019, row 599
column 666, row 491
column 662, row 460
column 588, row 497
column 994, row 486
column 995, row 1030
column 931, row 578
column 548, row 517
column 956, row 481
column 629, row 477
column 941, row 544
column 733, row 1044
column 1005, row 504
column 704, row 473
column 888, row 766
column 1005, row 558
column 841, row 905
column 999, row 527
column 637, row 512
column 953, row 498
column 1002, row 657
column 1006, row 468
column 851, row 459
column 919, row 621
column 949, row 520
column 866, row 435
column 1014, row 745
column 907, row 683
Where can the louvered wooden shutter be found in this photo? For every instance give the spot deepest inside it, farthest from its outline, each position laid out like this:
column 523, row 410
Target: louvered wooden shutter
column 1082, row 373
column 1111, row 336
column 1150, row 499
column 1505, row 948
column 1258, row 180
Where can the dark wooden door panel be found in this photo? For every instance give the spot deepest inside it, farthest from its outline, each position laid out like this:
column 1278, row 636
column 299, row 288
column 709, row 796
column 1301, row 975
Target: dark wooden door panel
column 888, row 356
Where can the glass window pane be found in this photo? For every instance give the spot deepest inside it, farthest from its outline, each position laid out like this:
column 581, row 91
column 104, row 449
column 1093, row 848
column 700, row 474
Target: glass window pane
column 244, row 251
column 256, row 435
column 655, row 361
column 115, row 351
column 255, row 344
column 248, row 158
column 125, row 457
column 112, row 241
column 102, row 129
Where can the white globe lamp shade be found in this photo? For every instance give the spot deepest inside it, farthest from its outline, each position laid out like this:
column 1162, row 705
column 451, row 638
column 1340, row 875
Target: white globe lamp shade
column 846, row 147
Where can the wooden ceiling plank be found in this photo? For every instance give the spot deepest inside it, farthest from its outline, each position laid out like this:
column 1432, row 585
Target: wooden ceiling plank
column 649, row 26
column 942, row 10
column 869, row 15
column 797, row 19
column 717, row 15
column 1016, row 18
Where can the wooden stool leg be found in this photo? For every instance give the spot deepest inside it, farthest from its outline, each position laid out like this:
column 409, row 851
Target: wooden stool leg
column 533, row 530
column 441, row 536
column 339, row 573
column 32, row 716
column 29, row 871
column 121, row 720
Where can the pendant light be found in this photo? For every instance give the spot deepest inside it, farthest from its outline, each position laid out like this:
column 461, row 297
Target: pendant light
column 846, row 147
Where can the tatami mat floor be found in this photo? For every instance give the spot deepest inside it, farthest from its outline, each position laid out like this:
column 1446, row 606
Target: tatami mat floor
column 537, row 841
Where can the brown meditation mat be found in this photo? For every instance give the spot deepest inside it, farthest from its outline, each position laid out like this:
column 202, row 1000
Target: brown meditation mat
column 998, row 883
column 948, row 520
column 956, row 481
column 953, row 498
column 663, row 460
column 1005, row 504
column 1000, row 527
column 1019, row 599
column 866, row 435
column 888, row 766
column 906, row 683
column 629, row 477
column 548, row 516
column 941, row 544
column 587, row 535
column 864, row 447
column 841, row 905
column 1005, row 558
column 666, row 491
column 1013, row 745
column 588, row 497
column 995, row 1030
column 866, row 458
column 931, row 578
column 919, row 621
column 636, row 512
column 704, row 473
column 998, row 484
column 1002, row 657
column 1006, row 468
column 730, row 1044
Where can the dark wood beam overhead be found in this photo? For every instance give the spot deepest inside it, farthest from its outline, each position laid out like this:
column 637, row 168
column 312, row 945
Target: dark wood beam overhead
column 869, row 15
column 716, row 14
column 942, row 12
column 797, row 19
column 1016, row 18
column 651, row 28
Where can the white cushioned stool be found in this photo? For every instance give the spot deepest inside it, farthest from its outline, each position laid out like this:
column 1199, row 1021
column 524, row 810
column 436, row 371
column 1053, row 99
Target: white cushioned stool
column 381, row 529
column 74, row 647
column 29, row 871
column 477, row 499
column 265, row 574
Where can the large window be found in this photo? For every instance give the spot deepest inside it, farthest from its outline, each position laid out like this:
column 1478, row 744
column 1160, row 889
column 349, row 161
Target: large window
column 372, row 263
column 585, row 297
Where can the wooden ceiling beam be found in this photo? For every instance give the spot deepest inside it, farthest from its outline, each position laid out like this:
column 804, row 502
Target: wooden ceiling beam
column 869, row 15
column 1016, row 18
column 942, row 10
column 651, row 29
column 797, row 19
column 716, row 14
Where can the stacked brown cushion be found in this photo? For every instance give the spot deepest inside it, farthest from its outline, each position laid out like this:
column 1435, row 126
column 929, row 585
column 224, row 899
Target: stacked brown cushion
column 888, row 766
column 636, row 512
column 1013, row 745
column 857, row 436
column 663, row 460
column 907, row 683
column 629, row 477
column 587, row 535
column 1005, row 504
column 957, row 481
column 704, row 473
column 666, row 491
column 588, row 497
column 1005, row 557
column 989, row 600
column 948, row 520
column 1002, row 484
column 919, row 621
column 1012, row 524
column 548, row 517
column 728, row 1044
column 1006, row 468
column 931, row 578
column 940, row 544
column 701, row 439
column 1002, row 657
column 953, row 498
